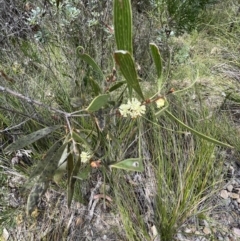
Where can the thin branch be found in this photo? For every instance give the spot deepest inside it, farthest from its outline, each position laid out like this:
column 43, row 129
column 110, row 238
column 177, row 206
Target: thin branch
column 14, row 127
column 32, row 101
column 29, row 100
column 19, row 113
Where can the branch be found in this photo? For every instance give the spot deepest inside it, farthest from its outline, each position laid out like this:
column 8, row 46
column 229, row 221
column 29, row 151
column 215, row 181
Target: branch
column 29, row 100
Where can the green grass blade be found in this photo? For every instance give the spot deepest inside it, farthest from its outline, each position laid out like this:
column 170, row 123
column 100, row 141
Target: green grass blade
column 125, row 61
column 122, row 14
column 210, row 139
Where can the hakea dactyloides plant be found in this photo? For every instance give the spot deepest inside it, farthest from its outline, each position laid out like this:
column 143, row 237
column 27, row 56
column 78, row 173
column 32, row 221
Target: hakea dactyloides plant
column 80, row 146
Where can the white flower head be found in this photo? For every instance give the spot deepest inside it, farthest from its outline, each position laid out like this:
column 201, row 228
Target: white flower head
column 138, row 111
column 85, row 156
column 124, row 109
column 133, row 108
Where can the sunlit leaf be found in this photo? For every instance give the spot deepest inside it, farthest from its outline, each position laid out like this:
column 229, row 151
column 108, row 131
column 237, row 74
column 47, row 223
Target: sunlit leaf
column 98, row 102
column 131, row 164
column 31, row 138
column 210, row 139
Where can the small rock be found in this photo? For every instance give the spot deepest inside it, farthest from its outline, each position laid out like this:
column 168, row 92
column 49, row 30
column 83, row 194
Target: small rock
column 224, row 194
column 207, row 230
column 230, row 171
column 234, row 195
column 188, row 230
column 154, row 231
column 238, row 200
column 203, row 222
column 236, row 231
column 181, row 237
column 230, row 188
column 227, row 201
column 237, row 190
column 235, row 204
column 5, row 234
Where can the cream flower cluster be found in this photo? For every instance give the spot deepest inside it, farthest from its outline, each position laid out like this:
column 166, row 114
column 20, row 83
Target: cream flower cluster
column 160, row 103
column 133, row 108
column 85, row 156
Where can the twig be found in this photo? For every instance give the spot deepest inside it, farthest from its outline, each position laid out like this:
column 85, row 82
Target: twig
column 29, row 100
column 32, row 101
column 18, row 112
column 16, row 126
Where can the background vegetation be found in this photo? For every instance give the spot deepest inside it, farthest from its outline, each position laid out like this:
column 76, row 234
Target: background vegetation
column 46, row 73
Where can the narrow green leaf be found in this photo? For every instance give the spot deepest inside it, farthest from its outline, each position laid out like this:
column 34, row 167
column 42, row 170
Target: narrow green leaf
column 31, row 138
column 158, row 63
column 210, row 139
column 98, row 102
column 90, row 61
column 73, row 180
column 131, row 164
column 122, row 18
column 125, row 61
column 117, row 85
column 70, row 165
column 70, row 189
